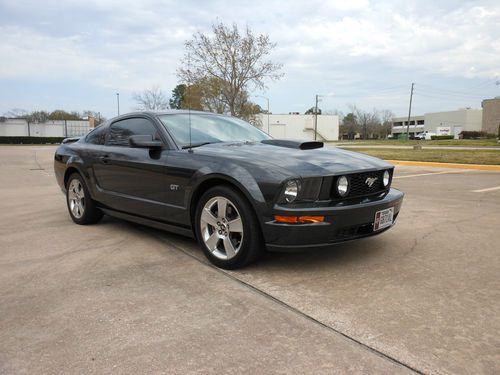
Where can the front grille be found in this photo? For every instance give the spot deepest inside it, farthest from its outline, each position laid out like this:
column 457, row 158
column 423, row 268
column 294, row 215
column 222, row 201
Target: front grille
column 359, row 186
column 356, row 231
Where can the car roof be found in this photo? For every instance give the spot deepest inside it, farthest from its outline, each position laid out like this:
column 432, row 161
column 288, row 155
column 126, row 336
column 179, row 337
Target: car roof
column 164, row 112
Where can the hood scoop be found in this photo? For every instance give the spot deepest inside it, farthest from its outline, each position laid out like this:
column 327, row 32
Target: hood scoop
column 290, row 143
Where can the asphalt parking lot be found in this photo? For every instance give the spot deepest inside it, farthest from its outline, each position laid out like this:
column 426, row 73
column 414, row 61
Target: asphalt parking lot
column 121, row 298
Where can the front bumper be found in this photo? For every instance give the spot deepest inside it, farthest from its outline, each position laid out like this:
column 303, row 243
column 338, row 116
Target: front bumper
column 343, row 222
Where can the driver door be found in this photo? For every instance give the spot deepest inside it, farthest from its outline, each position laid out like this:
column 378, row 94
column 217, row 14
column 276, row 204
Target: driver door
column 132, row 180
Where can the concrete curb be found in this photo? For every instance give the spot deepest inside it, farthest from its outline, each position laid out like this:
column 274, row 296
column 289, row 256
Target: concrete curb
column 480, row 167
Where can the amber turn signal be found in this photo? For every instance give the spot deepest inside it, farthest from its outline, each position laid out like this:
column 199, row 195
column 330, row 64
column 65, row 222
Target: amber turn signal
column 299, row 219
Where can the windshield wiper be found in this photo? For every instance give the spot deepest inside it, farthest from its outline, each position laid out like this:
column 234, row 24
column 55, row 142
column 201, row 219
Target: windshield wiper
column 196, row 145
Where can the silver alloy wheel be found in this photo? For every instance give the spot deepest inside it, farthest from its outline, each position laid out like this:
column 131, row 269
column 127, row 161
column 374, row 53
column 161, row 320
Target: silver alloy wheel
column 76, row 198
column 221, row 228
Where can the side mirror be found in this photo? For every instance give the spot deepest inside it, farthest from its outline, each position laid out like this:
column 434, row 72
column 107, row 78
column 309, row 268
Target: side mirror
column 144, row 141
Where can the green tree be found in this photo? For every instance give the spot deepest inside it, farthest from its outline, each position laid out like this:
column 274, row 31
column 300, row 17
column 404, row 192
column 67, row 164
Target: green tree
column 349, row 126
column 59, row 114
column 177, row 96
column 206, row 95
column 238, row 61
column 312, row 111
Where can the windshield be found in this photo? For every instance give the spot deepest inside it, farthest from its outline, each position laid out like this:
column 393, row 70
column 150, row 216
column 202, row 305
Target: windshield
column 210, row 129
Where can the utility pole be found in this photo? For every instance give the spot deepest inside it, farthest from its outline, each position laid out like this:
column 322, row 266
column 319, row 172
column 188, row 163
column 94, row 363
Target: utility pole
column 409, row 113
column 267, row 115
column 316, row 118
column 118, row 102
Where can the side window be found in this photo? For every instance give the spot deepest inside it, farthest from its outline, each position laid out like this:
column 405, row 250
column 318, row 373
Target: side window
column 96, row 136
column 121, row 131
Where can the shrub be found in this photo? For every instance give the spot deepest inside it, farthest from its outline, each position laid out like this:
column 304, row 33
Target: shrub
column 30, row 140
column 435, row 137
column 474, row 134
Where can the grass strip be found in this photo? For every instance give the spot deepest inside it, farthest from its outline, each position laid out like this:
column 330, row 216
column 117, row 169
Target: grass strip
column 487, row 157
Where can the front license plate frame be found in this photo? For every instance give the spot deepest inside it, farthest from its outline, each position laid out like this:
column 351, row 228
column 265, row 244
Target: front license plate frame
column 383, row 219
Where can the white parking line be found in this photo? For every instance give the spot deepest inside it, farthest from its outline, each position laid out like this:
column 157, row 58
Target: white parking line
column 485, row 190
column 430, row 174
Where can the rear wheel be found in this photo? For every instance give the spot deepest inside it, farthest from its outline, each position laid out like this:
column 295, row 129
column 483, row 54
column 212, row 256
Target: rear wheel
column 227, row 228
column 81, row 207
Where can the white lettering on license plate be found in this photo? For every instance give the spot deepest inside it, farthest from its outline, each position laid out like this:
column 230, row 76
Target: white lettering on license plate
column 383, row 218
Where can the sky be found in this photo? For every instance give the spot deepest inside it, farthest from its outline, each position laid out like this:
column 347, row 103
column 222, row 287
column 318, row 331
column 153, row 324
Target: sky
column 77, row 55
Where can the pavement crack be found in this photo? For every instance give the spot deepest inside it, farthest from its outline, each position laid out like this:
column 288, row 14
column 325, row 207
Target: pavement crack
column 290, row 308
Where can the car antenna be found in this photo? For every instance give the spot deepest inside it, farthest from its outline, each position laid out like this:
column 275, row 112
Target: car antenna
column 189, row 102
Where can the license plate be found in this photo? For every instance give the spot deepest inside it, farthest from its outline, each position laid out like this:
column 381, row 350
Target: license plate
column 383, row 219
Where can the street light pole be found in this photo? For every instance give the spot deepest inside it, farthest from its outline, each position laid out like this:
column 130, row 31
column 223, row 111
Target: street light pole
column 118, row 102
column 316, row 118
column 267, row 99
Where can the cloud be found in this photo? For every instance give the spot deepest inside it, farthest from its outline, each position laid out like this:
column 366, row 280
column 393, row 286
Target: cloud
column 130, row 45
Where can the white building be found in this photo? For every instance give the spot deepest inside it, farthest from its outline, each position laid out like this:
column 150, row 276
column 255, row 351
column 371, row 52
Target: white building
column 443, row 123
column 297, row 126
column 14, row 127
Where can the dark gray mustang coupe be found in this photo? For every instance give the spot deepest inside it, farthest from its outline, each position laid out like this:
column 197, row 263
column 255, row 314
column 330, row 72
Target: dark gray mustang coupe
column 226, row 183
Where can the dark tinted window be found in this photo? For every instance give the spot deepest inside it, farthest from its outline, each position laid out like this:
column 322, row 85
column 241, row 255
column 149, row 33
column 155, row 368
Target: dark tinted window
column 121, row 131
column 96, row 136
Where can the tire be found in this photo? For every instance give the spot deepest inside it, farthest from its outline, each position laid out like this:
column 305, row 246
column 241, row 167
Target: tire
column 81, row 206
column 231, row 239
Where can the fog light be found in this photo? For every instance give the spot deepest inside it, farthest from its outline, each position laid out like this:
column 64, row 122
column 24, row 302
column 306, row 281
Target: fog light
column 387, row 178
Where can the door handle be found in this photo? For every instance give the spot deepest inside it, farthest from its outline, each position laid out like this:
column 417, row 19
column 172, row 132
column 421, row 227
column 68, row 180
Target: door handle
column 104, row 159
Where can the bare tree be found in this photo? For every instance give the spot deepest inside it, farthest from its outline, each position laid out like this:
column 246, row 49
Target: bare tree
column 16, row 113
column 368, row 122
column 237, row 60
column 152, row 99
column 98, row 119
column 386, row 116
column 38, row 116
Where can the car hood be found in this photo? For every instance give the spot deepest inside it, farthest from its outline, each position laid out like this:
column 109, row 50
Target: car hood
column 304, row 163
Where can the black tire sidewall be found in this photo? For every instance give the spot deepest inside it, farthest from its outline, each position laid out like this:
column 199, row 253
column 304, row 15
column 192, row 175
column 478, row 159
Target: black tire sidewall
column 252, row 241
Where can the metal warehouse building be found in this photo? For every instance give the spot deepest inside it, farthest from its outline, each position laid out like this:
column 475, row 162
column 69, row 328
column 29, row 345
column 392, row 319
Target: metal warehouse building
column 297, row 126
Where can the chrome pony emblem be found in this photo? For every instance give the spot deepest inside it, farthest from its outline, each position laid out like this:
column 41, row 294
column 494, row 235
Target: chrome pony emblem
column 370, row 181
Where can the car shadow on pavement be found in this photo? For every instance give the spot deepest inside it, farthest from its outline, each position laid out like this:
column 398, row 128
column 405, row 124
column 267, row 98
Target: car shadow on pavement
column 356, row 253
column 337, row 255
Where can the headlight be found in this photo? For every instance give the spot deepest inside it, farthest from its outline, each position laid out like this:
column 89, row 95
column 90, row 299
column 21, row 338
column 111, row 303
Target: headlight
column 292, row 188
column 342, row 186
column 387, row 178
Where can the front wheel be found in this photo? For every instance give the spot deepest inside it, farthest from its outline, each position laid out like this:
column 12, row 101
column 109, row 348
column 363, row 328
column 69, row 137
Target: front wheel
column 227, row 228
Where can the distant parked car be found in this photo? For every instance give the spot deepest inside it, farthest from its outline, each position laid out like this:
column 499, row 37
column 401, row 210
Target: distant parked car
column 425, row 135
column 226, row 183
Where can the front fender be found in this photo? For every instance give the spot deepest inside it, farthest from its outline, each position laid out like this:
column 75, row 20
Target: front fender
column 259, row 194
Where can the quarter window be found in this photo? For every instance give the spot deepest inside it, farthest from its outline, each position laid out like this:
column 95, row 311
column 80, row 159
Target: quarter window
column 121, row 131
column 96, row 136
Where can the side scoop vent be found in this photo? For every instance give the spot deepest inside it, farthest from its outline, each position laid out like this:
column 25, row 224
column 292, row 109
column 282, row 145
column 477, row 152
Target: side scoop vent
column 70, row 140
column 289, row 143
